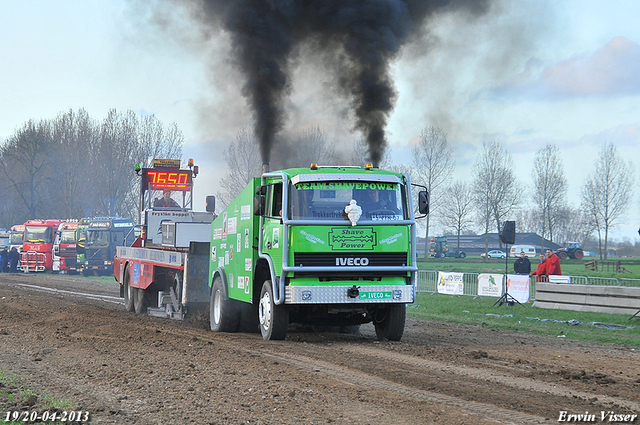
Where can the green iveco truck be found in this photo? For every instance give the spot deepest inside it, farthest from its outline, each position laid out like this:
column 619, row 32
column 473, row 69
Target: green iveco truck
column 328, row 246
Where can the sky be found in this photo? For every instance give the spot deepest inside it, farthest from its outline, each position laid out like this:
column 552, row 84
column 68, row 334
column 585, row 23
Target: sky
column 529, row 73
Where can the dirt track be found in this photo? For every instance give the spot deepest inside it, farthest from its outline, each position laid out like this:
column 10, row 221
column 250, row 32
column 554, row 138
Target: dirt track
column 142, row 370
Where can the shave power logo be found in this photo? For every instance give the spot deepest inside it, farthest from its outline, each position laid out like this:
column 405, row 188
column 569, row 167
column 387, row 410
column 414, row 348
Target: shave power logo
column 347, row 239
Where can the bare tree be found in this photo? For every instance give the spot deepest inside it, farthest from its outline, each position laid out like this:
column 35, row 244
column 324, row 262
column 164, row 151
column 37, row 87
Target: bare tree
column 575, row 225
column 549, row 189
column 244, row 163
column 360, row 155
column 496, row 189
column 75, row 135
column 310, row 145
column 529, row 220
column 458, row 208
column 26, row 160
column 607, row 193
column 433, row 163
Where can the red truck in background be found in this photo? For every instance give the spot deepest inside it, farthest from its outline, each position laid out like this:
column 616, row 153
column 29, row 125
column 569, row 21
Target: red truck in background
column 37, row 245
column 65, row 253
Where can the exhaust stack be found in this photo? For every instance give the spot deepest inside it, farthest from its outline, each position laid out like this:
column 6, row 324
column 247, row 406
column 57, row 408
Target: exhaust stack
column 265, row 167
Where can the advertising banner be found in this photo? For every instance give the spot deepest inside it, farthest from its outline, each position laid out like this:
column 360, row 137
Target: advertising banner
column 490, row 285
column 518, row 287
column 450, row 283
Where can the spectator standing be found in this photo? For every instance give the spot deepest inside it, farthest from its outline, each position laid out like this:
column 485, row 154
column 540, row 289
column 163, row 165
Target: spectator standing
column 14, row 258
column 541, row 271
column 4, row 260
column 552, row 262
column 522, row 265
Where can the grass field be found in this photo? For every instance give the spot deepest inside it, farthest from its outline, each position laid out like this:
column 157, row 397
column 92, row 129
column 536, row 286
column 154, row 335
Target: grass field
column 482, row 312
column 569, row 267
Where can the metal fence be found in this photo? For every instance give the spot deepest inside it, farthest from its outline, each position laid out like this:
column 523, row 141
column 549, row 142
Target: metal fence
column 428, row 282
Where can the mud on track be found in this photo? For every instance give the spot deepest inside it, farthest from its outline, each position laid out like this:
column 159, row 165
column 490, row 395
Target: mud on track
column 71, row 339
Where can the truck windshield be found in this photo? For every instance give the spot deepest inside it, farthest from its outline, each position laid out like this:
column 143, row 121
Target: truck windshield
column 4, row 243
column 68, row 236
column 97, row 238
column 38, row 234
column 16, row 238
column 327, row 200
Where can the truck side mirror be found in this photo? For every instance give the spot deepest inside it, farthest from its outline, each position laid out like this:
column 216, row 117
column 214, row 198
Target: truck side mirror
column 210, row 204
column 423, row 202
column 260, row 200
column 258, row 204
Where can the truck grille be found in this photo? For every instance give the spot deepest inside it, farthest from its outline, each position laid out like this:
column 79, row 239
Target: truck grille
column 315, row 259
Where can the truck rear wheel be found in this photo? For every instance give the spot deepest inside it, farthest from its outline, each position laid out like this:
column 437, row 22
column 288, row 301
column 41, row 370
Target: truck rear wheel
column 223, row 316
column 141, row 300
column 389, row 322
column 273, row 319
column 129, row 292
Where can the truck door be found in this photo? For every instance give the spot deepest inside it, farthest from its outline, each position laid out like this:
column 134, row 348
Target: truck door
column 272, row 231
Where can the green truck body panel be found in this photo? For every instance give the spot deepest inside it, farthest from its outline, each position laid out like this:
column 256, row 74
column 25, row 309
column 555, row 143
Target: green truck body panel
column 233, row 242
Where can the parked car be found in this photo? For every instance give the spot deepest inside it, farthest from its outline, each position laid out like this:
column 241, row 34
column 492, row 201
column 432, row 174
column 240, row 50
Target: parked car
column 496, row 253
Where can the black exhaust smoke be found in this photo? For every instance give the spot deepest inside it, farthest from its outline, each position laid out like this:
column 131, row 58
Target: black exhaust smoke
column 362, row 36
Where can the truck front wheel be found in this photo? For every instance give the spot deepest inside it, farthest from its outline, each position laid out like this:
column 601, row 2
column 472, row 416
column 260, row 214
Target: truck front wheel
column 223, row 316
column 129, row 292
column 274, row 319
column 389, row 322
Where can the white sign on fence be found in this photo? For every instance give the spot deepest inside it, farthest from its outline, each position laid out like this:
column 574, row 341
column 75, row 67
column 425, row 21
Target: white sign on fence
column 450, row 283
column 559, row 279
column 518, row 287
column 490, row 285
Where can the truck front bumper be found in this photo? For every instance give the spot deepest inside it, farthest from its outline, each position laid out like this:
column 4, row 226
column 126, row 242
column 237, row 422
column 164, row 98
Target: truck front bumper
column 349, row 294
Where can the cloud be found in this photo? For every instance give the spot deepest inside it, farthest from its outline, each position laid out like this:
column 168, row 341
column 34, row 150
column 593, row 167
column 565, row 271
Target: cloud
column 610, row 72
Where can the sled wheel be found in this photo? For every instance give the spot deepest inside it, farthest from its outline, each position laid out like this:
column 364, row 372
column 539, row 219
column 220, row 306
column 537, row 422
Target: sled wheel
column 389, row 322
column 129, row 292
column 223, row 316
column 273, row 319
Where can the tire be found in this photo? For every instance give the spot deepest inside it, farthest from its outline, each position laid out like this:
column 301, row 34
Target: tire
column 389, row 322
column 177, row 287
column 129, row 292
column 141, row 300
column 562, row 255
column 463, row 255
column 223, row 314
column 442, row 255
column 350, row 329
column 489, row 257
column 273, row 319
column 579, row 254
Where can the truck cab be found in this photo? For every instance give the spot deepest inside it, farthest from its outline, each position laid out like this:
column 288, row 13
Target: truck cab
column 327, row 246
column 17, row 232
column 65, row 247
column 37, row 245
column 103, row 235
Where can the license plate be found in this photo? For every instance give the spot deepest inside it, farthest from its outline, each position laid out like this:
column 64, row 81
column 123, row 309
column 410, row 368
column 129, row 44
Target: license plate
column 375, row 295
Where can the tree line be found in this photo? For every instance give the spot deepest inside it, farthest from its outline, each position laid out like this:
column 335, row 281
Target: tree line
column 75, row 166
column 494, row 195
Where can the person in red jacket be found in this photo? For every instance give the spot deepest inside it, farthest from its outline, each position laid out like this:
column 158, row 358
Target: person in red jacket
column 541, row 271
column 552, row 262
